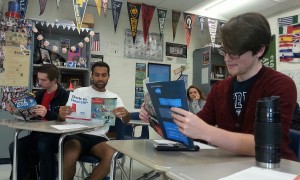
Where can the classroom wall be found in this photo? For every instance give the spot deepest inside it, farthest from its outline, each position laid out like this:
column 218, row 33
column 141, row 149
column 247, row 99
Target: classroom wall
column 122, row 79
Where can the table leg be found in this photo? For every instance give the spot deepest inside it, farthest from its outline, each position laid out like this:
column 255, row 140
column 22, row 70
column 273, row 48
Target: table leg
column 15, row 169
column 130, row 159
column 60, row 156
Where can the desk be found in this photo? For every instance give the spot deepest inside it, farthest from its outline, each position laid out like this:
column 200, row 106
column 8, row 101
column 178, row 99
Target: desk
column 204, row 164
column 45, row 126
column 134, row 124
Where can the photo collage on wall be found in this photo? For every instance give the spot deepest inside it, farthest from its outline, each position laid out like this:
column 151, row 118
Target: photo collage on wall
column 151, row 50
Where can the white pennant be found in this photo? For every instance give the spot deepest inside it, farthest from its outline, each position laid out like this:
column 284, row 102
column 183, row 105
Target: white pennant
column 57, row 3
column 47, row 24
column 69, row 27
column 57, row 25
column 52, row 25
column 42, row 23
column 64, row 26
column 73, row 28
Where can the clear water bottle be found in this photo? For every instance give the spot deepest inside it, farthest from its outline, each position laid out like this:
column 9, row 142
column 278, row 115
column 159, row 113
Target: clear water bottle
column 267, row 132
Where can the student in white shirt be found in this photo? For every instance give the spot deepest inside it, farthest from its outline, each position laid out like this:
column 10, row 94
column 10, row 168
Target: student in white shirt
column 92, row 142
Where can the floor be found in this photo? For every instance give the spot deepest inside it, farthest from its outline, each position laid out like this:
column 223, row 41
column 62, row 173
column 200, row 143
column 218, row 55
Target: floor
column 138, row 171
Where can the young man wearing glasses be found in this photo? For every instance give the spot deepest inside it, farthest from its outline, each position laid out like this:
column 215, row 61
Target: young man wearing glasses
column 227, row 119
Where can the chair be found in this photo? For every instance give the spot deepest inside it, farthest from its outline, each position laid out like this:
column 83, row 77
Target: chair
column 295, row 142
column 124, row 131
column 119, row 129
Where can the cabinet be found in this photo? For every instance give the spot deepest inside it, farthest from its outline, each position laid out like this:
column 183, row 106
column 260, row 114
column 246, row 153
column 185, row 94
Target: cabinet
column 208, row 68
column 74, row 66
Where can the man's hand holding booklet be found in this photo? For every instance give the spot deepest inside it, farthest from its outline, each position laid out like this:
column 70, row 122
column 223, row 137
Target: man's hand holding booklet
column 161, row 96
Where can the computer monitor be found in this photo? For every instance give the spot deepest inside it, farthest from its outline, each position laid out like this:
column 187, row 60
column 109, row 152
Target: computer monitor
column 159, row 72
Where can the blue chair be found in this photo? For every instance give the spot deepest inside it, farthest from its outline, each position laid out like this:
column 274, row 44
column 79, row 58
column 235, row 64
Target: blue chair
column 295, row 142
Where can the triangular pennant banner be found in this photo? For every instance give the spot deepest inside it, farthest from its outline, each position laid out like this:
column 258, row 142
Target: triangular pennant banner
column 147, row 14
column 188, row 26
column 212, row 26
column 116, row 9
column 42, row 23
column 57, row 25
column 133, row 14
column 52, row 25
column 57, row 3
column 161, row 16
column 47, row 24
column 43, row 4
column 201, row 21
column 79, row 9
column 175, row 20
column 73, row 28
column 23, row 7
column 104, row 5
column 98, row 5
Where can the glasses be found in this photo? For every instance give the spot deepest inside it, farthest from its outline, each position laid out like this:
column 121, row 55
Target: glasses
column 222, row 52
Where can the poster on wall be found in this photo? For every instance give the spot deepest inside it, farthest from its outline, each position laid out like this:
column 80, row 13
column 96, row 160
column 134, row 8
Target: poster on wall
column 151, row 50
column 140, row 75
column 15, row 44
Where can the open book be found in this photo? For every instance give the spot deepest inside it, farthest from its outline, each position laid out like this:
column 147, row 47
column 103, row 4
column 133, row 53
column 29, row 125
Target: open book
column 91, row 110
column 165, row 95
column 22, row 107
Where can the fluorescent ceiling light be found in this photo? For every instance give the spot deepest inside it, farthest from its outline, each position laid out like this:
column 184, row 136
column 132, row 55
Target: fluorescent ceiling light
column 227, row 5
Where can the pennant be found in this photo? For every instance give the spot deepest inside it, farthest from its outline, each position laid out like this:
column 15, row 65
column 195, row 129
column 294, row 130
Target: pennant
column 222, row 23
column 161, row 16
column 98, row 5
column 57, row 3
column 188, row 26
column 23, row 7
column 212, row 26
column 79, row 9
column 42, row 6
column 147, row 14
column 104, row 5
column 116, row 9
column 285, row 21
column 175, row 20
column 269, row 59
column 133, row 14
column 96, row 42
column 201, row 21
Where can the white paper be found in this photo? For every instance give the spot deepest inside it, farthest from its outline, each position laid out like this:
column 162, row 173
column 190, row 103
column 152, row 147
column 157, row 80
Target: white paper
column 81, row 107
column 69, row 126
column 260, row 174
column 204, row 76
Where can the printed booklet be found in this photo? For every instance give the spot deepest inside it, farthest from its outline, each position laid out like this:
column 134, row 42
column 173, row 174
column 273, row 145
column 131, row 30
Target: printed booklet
column 165, row 95
column 23, row 106
column 93, row 110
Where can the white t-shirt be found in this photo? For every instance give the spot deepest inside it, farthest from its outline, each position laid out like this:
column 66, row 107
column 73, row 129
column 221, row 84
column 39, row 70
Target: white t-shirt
column 90, row 92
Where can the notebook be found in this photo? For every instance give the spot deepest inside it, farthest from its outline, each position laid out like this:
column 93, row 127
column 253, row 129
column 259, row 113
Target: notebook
column 165, row 95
